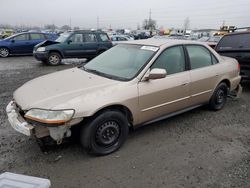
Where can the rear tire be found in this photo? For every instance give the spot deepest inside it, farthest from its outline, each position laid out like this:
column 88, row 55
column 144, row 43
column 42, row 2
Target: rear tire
column 54, row 59
column 4, row 52
column 219, row 97
column 104, row 133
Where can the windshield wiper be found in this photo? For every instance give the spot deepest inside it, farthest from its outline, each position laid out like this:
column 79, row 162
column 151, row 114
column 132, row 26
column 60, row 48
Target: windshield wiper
column 103, row 74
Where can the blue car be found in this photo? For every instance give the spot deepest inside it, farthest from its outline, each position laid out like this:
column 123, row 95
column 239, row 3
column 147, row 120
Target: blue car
column 23, row 43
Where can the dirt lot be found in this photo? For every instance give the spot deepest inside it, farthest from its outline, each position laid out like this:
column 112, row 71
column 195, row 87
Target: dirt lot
column 200, row 148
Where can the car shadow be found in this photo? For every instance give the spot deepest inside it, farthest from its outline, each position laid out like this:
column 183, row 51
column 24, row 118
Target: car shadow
column 246, row 86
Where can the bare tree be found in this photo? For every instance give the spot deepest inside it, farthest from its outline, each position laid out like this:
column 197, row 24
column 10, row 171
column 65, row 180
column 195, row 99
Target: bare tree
column 65, row 27
column 149, row 24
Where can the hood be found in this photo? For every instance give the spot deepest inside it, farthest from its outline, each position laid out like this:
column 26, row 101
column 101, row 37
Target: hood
column 46, row 43
column 50, row 91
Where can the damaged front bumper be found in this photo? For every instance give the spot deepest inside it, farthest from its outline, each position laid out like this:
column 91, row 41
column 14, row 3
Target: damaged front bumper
column 22, row 126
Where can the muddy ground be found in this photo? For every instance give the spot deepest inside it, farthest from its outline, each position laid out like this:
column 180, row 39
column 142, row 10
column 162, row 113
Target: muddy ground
column 200, row 148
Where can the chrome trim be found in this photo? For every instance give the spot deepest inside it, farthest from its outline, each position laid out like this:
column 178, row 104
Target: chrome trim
column 201, row 93
column 164, row 104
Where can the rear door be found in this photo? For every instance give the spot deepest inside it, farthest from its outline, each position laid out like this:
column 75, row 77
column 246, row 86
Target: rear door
column 163, row 96
column 35, row 38
column 204, row 72
column 90, row 45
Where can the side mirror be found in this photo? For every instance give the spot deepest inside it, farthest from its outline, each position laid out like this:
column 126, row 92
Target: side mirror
column 69, row 41
column 156, row 74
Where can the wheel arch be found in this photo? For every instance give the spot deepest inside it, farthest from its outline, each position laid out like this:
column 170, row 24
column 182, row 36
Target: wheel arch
column 118, row 107
column 57, row 51
column 226, row 81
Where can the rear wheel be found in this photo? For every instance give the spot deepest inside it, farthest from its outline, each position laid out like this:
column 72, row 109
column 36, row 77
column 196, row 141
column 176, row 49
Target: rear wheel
column 4, row 52
column 105, row 133
column 54, row 59
column 219, row 97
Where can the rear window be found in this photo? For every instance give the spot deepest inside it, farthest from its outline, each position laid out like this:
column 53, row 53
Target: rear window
column 104, row 38
column 240, row 41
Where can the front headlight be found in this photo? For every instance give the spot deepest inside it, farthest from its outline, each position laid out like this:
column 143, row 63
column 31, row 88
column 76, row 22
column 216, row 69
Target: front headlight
column 40, row 49
column 49, row 116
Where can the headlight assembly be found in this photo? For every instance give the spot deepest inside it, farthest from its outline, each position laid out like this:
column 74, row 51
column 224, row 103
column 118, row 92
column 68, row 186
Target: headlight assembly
column 50, row 116
column 40, row 49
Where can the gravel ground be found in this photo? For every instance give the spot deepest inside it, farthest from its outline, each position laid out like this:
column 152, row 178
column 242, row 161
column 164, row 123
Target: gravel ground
column 199, row 148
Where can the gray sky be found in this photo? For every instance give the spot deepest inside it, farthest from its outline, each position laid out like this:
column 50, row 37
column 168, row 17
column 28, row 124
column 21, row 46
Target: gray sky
column 125, row 14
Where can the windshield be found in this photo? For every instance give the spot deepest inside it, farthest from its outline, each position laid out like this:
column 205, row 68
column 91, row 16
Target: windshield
column 63, row 37
column 121, row 62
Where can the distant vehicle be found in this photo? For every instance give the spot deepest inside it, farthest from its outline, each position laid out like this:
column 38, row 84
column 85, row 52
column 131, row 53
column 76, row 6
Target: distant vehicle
column 130, row 85
column 6, row 33
column 210, row 41
column 74, row 44
column 23, row 43
column 237, row 45
column 118, row 38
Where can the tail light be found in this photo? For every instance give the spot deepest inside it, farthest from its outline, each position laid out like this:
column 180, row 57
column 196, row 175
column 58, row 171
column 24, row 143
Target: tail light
column 238, row 67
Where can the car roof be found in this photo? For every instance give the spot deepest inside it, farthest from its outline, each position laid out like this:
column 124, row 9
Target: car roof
column 162, row 42
column 238, row 33
column 86, row 31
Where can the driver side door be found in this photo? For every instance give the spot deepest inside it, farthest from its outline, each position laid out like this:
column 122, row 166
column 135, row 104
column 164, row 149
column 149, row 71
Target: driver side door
column 166, row 95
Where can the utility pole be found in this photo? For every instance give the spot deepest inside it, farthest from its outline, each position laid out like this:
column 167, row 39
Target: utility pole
column 70, row 22
column 97, row 22
column 150, row 22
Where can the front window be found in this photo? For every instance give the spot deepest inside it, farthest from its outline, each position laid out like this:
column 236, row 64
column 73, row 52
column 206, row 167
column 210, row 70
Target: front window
column 63, row 37
column 172, row 60
column 21, row 37
column 122, row 62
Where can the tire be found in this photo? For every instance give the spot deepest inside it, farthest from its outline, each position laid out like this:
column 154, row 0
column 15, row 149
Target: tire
column 54, row 59
column 4, row 52
column 104, row 133
column 219, row 97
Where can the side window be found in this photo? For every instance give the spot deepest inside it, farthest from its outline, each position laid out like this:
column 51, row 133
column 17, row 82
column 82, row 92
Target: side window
column 90, row 37
column 172, row 60
column 229, row 42
column 76, row 38
column 104, row 38
column 21, row 37
column 36, row 36
column 214, row 60
column 199, row 56
column 244, row 41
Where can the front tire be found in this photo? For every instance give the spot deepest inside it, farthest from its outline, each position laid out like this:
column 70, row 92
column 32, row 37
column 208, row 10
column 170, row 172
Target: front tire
column 105, row 133
column 219, row 97
column 4, row 52
column 54, row 59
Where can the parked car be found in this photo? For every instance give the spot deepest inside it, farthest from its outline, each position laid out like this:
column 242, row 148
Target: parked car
column 6, row 33
column 237, row 45
column 75, row 44
column 116, row 39
column 210, row 41
column 131, row 84
column 23, row 43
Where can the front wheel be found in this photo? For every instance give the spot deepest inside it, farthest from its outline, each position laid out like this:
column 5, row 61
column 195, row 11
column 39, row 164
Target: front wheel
column 54, row 59
column 4, row 52
column 105, row 133
column 219, row 97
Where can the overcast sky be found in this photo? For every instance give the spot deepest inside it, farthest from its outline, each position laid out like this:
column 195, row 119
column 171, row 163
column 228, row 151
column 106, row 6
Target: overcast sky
column 125, row 13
